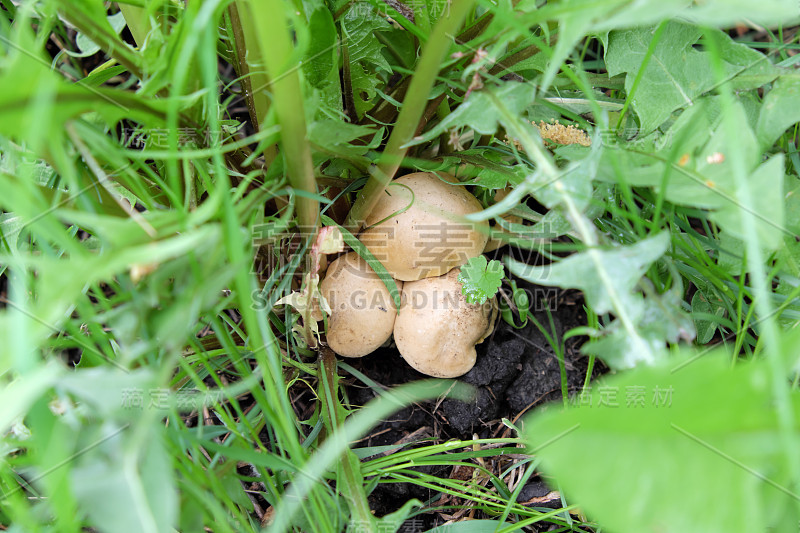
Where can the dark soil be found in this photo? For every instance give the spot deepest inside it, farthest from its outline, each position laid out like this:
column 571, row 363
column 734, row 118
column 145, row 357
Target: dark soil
column 516, row 370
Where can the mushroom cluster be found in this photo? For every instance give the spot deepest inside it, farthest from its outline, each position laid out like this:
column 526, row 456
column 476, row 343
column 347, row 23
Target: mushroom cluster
column 418, row 233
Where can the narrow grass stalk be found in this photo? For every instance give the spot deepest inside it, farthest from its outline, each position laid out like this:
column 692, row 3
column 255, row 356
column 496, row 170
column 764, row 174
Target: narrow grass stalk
column 287, row 97
column 411, row 113
column 138, row 22
column 354, row 428
column 350, row 483
column 253, row 78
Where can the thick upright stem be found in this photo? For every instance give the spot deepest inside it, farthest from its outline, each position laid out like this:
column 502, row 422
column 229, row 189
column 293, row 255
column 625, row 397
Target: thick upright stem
column 287, row 97
column 413, row 108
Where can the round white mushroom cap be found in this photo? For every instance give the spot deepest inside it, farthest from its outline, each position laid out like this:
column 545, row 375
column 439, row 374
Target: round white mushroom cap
column 436, row 329
column 362, row 310
column 430, row 237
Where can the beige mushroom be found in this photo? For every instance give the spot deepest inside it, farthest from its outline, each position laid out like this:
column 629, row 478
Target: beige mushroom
column 362, row 310
column 436, row 329
column 430, row 237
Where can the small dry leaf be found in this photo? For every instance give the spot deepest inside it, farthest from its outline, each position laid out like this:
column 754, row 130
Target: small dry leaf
column 140, row 270
column 329, row 240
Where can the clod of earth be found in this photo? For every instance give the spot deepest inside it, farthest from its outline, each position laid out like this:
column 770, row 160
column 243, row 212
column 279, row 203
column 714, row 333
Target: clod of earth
column 362, row 310
column 417, row 230
column 436, row 329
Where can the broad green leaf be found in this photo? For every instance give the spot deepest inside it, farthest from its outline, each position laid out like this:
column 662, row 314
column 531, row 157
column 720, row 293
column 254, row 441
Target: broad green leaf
column 490, row 179
column 676, row 74
column 704, row 175
column 576, row 18
column 731, row 254
column 780, row 110
column 620, row 349
column 768, row 206
column 11, row 226
column 109, row 392
column 792, row 199
column 20, row 394
column 575, row 182
column 661, row 321
column 127, row 487
column 654, row 432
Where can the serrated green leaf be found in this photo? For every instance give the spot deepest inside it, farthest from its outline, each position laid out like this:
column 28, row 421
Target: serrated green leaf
column 705, row 178
column 364, row 53
column 479, row 111
column 607, row 278
column 580, row 17
column 491, row 179
column 364, row 84
column 480, row 279
column 336, row 136
column 321, row 52
column 705, row 326
column 624, row 267
column 661, row 321
column 358, row 29
column 676, row 74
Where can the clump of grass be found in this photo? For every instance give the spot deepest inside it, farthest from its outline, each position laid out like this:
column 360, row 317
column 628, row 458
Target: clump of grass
column 155, row 209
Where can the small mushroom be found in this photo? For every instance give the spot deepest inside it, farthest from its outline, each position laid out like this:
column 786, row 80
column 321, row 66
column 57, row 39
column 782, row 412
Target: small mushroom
column 430, row 237
column 436, row 329
column 362, row 310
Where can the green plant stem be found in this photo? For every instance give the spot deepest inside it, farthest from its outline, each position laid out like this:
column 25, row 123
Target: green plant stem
column 413, row 108
column 287, row 96
column 350, row 480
